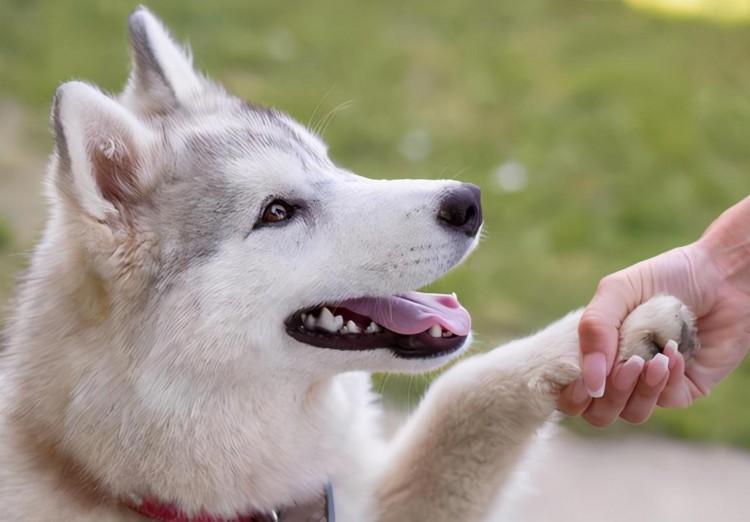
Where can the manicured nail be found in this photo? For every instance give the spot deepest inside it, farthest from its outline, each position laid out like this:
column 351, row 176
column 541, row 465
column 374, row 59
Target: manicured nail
column 579, row 394
column 595, row 368
column 628, row 373
column 671, row 351
column 657, row 368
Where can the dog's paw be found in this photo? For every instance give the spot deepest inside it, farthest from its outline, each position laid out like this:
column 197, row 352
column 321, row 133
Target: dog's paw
column 648, row 328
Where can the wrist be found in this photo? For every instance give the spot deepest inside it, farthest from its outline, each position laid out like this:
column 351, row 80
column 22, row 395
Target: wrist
column 725, row 246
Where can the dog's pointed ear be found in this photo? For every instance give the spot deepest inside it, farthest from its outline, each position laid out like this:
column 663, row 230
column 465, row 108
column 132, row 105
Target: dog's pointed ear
column 99, row 151
column 162, row 75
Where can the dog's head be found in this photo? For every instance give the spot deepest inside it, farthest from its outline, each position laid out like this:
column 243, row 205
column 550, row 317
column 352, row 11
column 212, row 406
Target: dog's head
column 225, row 229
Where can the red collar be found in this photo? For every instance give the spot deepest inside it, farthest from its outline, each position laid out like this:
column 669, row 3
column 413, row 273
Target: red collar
column 165, row 512
column 320, row 509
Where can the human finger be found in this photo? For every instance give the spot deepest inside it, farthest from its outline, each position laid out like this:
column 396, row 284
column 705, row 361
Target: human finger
column 676, row 393
column 652, row 381
column 620, row 385
column 574, row 399
column 598, row 329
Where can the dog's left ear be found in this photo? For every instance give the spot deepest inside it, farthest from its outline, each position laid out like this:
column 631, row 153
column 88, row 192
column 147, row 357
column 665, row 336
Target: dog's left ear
column 100, row 148
column 162, row 77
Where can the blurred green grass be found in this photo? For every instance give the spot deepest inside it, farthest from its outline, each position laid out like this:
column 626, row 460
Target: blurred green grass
column 624, row 133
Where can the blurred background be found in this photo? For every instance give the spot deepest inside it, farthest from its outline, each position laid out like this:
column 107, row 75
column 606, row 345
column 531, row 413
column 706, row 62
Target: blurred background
column 602, row 133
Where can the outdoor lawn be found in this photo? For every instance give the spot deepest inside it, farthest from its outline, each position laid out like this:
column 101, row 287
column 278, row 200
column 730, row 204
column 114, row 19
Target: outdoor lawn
column 600, row 134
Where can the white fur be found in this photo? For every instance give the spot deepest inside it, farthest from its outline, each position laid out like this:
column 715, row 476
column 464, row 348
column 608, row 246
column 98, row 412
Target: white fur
column 92, row 120
column 175, row 61
column 147, row 353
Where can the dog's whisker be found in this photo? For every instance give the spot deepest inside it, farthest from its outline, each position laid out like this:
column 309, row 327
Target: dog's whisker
column 460, row 172
column 408, row 400
column 317, row 107
column 325, row 123
column 383, row 383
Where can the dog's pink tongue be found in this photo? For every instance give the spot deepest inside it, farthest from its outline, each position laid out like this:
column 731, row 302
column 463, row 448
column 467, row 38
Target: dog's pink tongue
column 414, row 312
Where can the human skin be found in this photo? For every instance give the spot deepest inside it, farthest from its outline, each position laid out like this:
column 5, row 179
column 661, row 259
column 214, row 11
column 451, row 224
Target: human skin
column 712, row 277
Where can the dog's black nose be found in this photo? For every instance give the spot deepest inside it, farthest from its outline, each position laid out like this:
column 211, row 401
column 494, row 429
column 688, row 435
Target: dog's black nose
column 461, row 209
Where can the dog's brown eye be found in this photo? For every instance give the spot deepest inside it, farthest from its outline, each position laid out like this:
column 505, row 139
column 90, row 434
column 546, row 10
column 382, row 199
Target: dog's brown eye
column 277, row 211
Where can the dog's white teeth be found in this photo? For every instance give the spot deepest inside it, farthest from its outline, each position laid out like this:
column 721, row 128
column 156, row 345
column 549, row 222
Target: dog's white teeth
column 373, row 328
column 338, row 322
column 304, row 316
column 446, row 333
column 435, row 330
column 326, row 321
column 351, row 327
column 310, row 322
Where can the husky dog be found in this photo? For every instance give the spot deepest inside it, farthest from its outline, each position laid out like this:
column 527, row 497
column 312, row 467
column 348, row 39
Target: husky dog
column 194, row 336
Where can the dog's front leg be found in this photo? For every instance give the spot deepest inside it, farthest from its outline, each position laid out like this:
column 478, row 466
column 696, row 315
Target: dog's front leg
column 461, row 446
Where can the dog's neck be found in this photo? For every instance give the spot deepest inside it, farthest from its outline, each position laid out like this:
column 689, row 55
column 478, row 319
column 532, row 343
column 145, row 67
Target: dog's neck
column 167, row 512
column 137, row 427
column 320, row 509
column 221, row 459
column 157, row 433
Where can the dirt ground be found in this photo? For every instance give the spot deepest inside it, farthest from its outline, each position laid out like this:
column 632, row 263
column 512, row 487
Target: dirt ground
column 642, row 479
column 569, row 478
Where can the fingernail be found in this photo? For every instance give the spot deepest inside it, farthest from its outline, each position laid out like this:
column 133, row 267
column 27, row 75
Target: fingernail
column 671, row 351
column 579, row 394
column 628, row 373
column 595, row 373
column 657, row 368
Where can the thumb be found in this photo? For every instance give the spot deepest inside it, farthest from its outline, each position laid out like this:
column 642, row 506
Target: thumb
column 598, row 330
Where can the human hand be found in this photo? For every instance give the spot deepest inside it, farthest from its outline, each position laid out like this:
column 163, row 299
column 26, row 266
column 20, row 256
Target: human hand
column 711, row 277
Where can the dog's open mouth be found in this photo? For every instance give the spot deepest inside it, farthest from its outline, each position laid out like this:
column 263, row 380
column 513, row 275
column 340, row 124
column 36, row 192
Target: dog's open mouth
column 412, row 325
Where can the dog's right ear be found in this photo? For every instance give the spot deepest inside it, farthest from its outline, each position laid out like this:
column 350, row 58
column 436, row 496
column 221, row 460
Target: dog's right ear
column 162, row 75
column 99, row 149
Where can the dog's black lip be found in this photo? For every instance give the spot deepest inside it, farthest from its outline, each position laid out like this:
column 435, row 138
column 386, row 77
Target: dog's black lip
column 416, row 346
